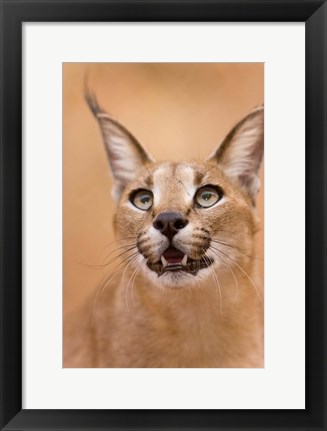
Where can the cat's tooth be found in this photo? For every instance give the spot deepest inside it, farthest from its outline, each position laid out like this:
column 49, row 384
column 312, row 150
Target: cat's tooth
column 184, row 261
column 164, row 262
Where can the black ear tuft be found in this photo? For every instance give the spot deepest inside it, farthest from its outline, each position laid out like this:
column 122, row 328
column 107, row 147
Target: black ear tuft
column 91, row 99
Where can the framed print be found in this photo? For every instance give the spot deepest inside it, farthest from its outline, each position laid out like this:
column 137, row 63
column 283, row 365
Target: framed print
column 163, row 81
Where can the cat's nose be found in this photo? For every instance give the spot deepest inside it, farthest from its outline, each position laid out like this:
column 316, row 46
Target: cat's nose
column 169, row 223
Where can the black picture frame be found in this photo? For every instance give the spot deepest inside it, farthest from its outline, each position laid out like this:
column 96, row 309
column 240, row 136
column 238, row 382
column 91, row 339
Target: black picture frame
column 13, row 14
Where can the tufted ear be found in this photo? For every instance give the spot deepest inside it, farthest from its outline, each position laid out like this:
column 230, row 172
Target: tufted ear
column 126, row 155
column 241, row 152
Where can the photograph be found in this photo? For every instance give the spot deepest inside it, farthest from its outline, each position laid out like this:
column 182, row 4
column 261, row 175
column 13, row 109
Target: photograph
column 163, row 215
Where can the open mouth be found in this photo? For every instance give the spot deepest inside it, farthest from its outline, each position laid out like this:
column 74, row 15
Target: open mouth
column 173, row 260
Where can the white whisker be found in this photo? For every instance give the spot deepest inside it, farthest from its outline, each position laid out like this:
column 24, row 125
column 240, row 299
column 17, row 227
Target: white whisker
column 132, row 290
column 233, row 274
column 215, row 278
column 249, row 278
column 126, row 290
column 106, row 282
column 131, row 278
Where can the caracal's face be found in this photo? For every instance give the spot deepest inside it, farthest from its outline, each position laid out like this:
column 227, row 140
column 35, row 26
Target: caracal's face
column 184, row 219
column 179, row 221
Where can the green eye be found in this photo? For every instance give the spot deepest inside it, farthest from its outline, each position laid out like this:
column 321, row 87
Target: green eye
column 207, row 196
column 143, row 200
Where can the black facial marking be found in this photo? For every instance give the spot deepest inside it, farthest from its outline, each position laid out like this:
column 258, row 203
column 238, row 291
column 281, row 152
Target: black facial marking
column 203, row 242
column 203, row 229
column 142, row 241
column 143, row 249
column 139, row 237
column 205, row 237
column 198, row 177
column 149, row 181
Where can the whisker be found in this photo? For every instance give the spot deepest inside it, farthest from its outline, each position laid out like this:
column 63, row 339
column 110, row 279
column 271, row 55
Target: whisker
column 99, row 290
column 215, row 278
column 132, row 256
column 108, row 263
column 252, row 282
column 127, row 287
column 132, row 290
column 249, row 278
column 106, row 282
column 234, row 236
column 119, row 240
column 235, row 247
column 126, row 290
column 118, row 256
column 117, row 249
column 233, row 274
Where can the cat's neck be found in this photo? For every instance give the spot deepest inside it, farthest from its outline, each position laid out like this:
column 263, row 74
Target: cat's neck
column 202, row 324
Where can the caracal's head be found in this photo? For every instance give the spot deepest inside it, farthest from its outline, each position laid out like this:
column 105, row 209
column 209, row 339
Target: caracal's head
column 181, row 220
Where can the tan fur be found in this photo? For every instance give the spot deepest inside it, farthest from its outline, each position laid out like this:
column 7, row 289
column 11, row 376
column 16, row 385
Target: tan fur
column 212, row 319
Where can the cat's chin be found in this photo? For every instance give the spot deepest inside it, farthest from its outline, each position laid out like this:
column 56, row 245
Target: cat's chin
column 178, row 279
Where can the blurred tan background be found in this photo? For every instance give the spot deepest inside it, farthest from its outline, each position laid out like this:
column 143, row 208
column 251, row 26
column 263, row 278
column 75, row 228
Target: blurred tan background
column 177, row 111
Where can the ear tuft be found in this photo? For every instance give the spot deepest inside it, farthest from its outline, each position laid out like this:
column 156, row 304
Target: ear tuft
column 240, row 154
column 126, row 155
column 92, row 102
